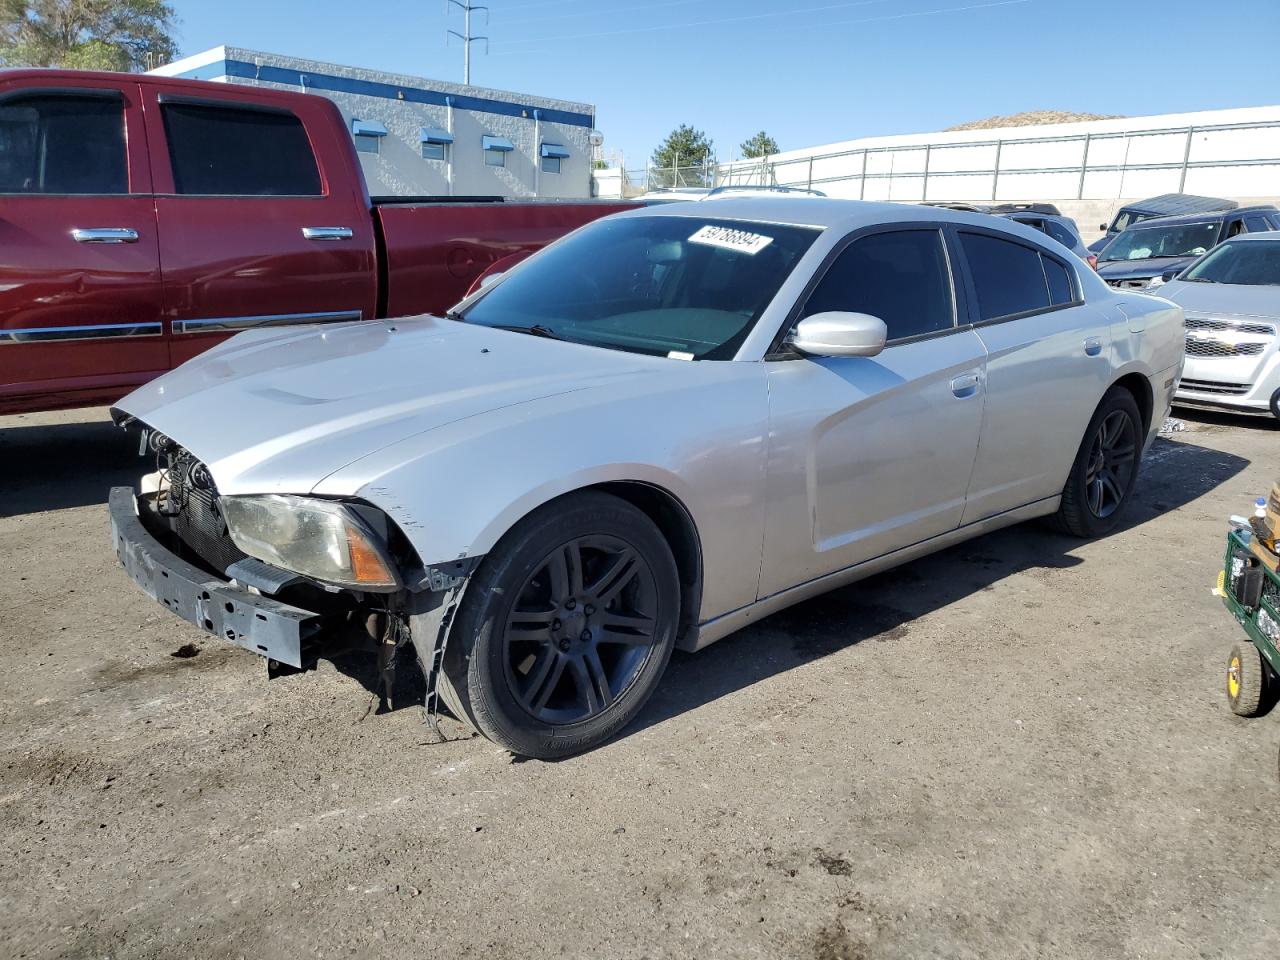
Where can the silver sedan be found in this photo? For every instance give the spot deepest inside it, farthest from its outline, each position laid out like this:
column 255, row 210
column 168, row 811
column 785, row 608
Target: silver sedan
column 1232, row 301
column 658, row 430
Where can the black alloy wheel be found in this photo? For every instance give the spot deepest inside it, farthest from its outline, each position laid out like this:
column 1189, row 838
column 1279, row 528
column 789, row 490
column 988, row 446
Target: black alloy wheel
column 565, row 628
column 1105, row 469
column 1113, row 456
column 580, row 630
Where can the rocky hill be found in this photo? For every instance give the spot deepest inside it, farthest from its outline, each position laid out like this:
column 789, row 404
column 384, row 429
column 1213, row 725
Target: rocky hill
column 1031, row 118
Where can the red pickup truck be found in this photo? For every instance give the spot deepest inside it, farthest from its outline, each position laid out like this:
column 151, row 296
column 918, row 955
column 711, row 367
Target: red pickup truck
column 143, row 219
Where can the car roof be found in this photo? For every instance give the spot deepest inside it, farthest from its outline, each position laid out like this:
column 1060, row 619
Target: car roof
column 1176, row 204
column 1270, row 236
column 1207, row 217
column 822, row 213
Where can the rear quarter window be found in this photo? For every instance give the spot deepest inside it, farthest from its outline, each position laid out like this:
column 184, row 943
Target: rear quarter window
column 227, row 151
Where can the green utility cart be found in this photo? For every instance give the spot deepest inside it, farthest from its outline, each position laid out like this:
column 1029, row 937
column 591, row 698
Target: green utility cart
column 1251, row 592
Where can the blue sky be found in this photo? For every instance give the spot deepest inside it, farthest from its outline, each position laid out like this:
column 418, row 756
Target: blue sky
column 807, row 71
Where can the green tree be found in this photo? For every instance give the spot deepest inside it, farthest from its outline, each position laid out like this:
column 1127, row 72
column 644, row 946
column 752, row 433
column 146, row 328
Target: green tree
column 86, row 34
column 684, row 147
column 761, row 145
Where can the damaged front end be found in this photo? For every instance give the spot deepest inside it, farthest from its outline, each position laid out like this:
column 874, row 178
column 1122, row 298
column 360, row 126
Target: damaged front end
column 284, row 576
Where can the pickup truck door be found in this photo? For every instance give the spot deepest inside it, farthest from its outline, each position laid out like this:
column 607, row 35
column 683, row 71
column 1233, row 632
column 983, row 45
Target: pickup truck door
column 1048, row 365
column 79, row 259
column 871, row 454
column 263, row 213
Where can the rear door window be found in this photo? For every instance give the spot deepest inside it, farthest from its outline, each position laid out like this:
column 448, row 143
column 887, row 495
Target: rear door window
column 1257, row 224
column 902, row 277
column 56, row 144
column 1007, row 276
column 231, row 151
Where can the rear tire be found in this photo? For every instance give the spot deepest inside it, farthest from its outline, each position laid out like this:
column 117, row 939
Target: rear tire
column 1105, row 470
column 565, row 629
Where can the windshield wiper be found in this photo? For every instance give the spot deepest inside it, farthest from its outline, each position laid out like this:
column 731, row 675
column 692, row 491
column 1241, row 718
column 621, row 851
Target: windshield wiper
column 535, row 330
column 1198, row 280
column 455, row 315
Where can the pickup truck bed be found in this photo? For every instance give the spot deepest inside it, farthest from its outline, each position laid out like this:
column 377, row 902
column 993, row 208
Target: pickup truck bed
column 143, row 219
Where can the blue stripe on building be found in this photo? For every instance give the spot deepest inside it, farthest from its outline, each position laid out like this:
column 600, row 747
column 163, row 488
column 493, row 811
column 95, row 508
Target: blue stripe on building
column 309, row 81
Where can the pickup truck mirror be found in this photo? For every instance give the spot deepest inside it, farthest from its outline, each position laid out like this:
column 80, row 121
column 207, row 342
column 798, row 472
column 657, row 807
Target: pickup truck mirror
column 1170, row 274
column 1102, row 227
column 839, row 334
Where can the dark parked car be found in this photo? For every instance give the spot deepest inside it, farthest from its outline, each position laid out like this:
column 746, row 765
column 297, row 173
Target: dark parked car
column 1165, row 205
column 1062, row 229
column 1143, row 257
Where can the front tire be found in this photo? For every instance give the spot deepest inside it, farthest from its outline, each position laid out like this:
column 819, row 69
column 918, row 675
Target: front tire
column 565, row 628
column 1105, row 470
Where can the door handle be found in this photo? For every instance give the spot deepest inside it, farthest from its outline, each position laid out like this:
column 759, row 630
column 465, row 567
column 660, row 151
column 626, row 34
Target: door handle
column 965, row 387
column 104, row 235
column 1092, row 346
column 327, row 233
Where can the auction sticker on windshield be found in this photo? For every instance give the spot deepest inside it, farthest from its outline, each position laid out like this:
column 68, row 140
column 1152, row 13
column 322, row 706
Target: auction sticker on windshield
column 743, row 241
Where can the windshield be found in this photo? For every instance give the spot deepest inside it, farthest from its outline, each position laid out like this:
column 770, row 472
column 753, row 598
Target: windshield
column 1256, row 263
column 688, row 286
column 1184, row 240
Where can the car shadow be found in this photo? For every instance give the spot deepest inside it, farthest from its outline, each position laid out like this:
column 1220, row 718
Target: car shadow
column 883, row 606
column 1221, row 419
column 52, row 466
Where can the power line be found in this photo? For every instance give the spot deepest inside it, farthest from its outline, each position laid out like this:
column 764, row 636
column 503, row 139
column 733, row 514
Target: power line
column 596, row 12
column 759, row 16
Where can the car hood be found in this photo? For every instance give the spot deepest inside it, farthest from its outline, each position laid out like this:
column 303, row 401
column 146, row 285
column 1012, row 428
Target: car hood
column 1246, row 300
column 1138, row 269
column 281, row 410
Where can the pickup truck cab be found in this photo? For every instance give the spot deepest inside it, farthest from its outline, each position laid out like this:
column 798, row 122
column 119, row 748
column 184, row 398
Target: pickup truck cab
column 144, row 219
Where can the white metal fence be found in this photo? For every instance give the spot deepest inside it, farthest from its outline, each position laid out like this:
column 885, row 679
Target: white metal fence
column 1216, row 159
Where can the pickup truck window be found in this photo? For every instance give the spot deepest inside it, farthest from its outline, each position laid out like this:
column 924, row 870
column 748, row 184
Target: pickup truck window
column 900, row 277
column 59, row 144
column 225, row 151
column 1007, row 277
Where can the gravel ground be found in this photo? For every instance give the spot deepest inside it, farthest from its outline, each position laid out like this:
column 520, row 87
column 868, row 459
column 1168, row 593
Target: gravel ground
column 1016, row 748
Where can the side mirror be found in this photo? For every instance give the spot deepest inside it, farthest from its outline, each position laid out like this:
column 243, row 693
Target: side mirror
column 1170, row 274
column 488, row 278
column 839, row 334
column 1102, row 227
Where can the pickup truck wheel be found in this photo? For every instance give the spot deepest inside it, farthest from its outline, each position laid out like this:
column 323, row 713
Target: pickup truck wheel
column 1105, row 469
column 565, row 628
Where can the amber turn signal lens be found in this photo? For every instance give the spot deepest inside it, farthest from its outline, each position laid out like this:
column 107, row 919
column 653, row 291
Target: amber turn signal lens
column 367, row 567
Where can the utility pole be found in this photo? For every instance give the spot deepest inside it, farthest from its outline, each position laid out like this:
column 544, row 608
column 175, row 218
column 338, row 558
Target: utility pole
column 466, row 6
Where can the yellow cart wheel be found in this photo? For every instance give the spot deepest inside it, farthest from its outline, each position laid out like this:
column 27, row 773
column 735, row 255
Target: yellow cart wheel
column 1246, row 675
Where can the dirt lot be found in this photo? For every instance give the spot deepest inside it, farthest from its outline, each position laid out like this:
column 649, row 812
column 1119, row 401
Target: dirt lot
column 1016, row 748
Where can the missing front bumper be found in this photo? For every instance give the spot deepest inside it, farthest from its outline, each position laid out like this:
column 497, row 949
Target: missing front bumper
column 267, row 627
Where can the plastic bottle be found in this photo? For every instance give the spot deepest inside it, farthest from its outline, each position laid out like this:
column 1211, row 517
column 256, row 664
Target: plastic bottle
column 1260, row 507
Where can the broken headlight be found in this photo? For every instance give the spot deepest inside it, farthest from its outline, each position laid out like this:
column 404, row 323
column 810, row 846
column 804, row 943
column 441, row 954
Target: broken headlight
column 320, row 539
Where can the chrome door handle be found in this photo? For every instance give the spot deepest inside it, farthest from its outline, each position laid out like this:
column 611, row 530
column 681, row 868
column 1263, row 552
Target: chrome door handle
column 104, row 235
column 327, row 233
column 965, row 387
column 1092, row 347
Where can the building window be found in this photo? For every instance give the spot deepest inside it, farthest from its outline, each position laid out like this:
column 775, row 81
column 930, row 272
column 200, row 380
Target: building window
column 496, row 150
column 552, row 154
column 368, row 135
column 435, row 143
